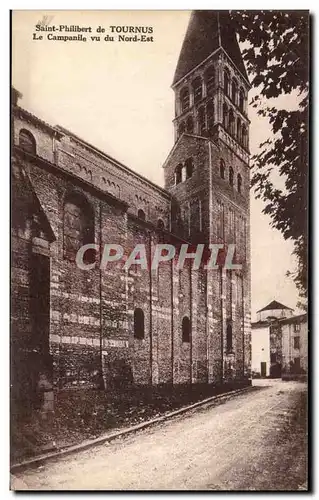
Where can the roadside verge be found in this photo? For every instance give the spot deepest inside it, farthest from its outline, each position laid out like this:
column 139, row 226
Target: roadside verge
column 42, row 459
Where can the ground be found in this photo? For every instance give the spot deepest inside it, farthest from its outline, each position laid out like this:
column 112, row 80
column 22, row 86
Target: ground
column 254, row 441
column 86, row 414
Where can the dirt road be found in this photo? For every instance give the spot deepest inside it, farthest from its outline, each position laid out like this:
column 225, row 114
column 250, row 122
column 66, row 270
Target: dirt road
column 255, row 441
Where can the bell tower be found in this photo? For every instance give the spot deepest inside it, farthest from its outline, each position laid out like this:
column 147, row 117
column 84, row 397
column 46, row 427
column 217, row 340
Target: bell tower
column 207, row 173
column 211, row 92
column 210, row 81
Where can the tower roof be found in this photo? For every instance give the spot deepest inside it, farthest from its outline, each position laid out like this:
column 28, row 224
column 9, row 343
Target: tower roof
column 207, row 31
column 274, row 305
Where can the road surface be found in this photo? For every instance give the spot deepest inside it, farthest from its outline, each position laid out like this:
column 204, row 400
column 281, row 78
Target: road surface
column 255, row 441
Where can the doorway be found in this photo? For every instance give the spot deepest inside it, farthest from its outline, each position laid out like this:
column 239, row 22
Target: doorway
column 263, row 369
column 40, row 302
column 40, row 360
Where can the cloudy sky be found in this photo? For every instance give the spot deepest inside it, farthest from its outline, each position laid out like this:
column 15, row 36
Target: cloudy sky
column 117, row 96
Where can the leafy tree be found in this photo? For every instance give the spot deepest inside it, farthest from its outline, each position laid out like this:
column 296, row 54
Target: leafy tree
column 277, row 61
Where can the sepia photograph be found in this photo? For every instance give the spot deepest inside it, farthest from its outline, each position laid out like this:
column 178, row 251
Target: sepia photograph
column 159, row 250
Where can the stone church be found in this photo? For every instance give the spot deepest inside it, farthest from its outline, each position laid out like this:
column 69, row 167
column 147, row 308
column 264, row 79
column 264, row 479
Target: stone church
column 115, row 327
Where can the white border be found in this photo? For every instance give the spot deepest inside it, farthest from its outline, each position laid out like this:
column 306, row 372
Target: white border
column 4, row 185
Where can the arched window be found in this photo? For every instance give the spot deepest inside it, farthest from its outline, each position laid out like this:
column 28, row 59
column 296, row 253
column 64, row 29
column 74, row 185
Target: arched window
column 189, row 168
column 234, row 90
column 210, row 81
column 229, row 337
column 244, row 136
column 210, row 116
column 225, row 116
column 186, row 329
column 241, row 100
column 231, row 121
column 141, row 214
column 160, row 224
column 201, row 121
column 27, row 141
column 178, row 173
column 78, row 227
column 197, row 89
column 231, row 176
column 226, row 81
column 239, row 183
column 222, row 169
column 181, row 129
column 184, row 97
column 238, row 130
column 183, row 173
column 138, row 323
column 234, row 133
column 190, row 125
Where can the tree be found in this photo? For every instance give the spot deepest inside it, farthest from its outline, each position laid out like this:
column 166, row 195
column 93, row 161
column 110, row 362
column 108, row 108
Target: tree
column 277, row 61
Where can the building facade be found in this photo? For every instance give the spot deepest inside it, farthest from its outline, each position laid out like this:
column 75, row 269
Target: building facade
column 260, row 350
column 279, row 342
column 294, row 334
column 114, row 326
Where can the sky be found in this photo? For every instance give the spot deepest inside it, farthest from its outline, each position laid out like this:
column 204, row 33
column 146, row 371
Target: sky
column 118, row 97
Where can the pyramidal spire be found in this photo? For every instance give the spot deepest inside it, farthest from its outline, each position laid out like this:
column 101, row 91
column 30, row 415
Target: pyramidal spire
column 208, row 30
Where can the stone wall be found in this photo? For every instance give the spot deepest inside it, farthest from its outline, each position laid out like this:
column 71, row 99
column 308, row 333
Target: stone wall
column 91, row 324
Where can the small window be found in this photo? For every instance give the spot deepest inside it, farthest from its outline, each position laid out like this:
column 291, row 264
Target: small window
column 244, row 136
column 210, row 81
column 186, row 329
column 222, row 169
column 231, row 122
column 178, row 173
column 238, row 130
column 296, row 342
column 189, row 168
column 27, row 141
column 231, row 176
column 226, row 82
column 138, row 323
column 234, row 90
column 239, row 183
column 198, row 89
column 229, row 337
column 297, row 327
column 160, row 224
column 241, row 100
column 184, row 96
column 225, row 116
column 190, row 125
column 141, row 214
column 234, row 132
